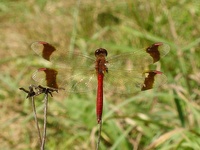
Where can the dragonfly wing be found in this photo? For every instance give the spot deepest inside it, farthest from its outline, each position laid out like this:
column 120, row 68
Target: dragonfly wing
column 139, row 59
column 61, row 79
column 130, row 81
column 62, row 59
column 82, row 82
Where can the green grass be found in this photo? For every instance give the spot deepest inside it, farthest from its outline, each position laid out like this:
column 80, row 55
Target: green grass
column 164, row 119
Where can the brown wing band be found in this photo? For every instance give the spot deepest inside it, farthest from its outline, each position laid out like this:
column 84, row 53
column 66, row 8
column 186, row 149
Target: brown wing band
column 154, row 52
column 149, row 80
column 47, row 50
column 50, row 77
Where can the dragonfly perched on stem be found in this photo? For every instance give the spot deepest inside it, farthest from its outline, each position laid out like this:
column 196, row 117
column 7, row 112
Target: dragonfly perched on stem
column 125, row 73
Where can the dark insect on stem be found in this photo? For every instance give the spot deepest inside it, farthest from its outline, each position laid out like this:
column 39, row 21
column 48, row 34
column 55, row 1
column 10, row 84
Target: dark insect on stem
column 35, row 91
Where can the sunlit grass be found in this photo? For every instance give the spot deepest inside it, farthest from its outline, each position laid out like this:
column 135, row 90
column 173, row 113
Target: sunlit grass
column 166, row 118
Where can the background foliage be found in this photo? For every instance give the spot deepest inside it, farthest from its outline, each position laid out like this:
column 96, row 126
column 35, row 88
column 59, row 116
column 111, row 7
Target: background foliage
column 166, row 118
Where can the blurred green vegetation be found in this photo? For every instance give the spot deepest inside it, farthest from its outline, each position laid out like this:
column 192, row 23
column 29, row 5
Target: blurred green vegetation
column 164, row 119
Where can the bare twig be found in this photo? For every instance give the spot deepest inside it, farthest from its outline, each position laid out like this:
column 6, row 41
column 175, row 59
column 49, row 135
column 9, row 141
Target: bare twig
column 36, row 120
column 45, row 119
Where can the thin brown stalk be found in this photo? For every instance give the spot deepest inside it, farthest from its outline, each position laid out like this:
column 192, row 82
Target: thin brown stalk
column 36, row 120
column 99, row 135
column 45, row 121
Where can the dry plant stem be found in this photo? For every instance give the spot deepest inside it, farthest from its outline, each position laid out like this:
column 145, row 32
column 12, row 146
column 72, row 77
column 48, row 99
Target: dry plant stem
column 36, row 120
column 99, row 135
column 45, row 121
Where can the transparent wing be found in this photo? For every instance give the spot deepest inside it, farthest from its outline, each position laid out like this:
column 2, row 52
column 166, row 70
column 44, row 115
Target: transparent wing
column 62, row 59
column 77, row 82
column 138, row 60
column 131, row 81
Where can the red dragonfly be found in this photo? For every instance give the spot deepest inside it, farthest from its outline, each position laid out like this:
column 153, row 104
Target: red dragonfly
column 125, row 73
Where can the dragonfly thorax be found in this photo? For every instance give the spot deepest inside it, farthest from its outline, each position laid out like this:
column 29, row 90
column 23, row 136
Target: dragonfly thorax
column 101, row 65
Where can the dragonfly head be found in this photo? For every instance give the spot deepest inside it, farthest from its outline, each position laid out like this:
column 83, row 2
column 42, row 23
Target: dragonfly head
column 101, row 52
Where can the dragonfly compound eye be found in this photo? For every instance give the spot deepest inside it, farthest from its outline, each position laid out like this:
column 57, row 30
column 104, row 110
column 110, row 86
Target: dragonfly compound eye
column 101, row 51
